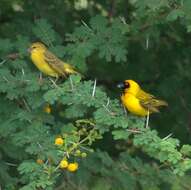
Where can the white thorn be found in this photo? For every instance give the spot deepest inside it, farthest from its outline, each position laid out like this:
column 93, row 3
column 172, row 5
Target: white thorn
column 147, row 119
column 147, row 42
column 86, row 25
column 2, row 62
column 133, row 131
column 168, row 136
column 108, row 100
column 94, row 88
column 9, row 164
column 23, row 71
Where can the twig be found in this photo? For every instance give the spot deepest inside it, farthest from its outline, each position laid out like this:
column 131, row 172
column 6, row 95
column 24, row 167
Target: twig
column 86, row 25
column 53, row 82
column 133, row 131
column 94, row 88
column 13, row 56
column 112, row 9
column 2, row 62
column 57, row 167
column 82, row 147
column 107, row 109
column 5, row 79
column 26, row 105
column 10, row 164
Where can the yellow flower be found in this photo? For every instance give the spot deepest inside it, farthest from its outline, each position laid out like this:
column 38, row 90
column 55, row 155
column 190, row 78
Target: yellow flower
column 63, row 164
column 39, row 161
column 59, row 141
column 47, row 109
column 72, row 167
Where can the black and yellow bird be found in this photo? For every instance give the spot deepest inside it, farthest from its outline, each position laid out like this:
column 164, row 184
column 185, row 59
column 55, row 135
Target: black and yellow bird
column 137, row 101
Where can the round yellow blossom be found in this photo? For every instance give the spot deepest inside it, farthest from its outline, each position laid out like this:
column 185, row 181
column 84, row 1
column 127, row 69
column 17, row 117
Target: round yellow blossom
column 63, row 164
column 39, row 161
column 72, row 167
column 47, row 109
column 59, row 141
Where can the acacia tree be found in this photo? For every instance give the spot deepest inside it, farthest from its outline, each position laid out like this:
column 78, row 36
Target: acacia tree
column 45, row 126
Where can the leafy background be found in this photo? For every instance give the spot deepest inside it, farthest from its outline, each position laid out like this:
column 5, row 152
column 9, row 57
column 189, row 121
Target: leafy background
column 148, row 41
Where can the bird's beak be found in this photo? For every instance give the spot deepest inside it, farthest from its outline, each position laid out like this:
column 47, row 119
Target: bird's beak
column 29, row 50
column 121, row 85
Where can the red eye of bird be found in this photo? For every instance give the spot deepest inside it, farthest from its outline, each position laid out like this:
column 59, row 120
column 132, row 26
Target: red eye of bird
column 126, row 84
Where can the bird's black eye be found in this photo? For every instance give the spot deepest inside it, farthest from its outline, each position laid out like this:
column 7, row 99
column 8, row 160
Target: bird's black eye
column 126, row 85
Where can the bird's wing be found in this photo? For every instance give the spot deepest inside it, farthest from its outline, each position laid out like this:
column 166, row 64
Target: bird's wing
column 149, row 102
column 144, row 95
column 58, row 65
column 55, row 63
column 149, row 105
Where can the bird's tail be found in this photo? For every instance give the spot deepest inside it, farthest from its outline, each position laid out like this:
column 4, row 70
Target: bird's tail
column 160, row 103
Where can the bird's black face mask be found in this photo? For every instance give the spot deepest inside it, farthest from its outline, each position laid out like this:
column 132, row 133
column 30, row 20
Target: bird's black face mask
column 123, row 85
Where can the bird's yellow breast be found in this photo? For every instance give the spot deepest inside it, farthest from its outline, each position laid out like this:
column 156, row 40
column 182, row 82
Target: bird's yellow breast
column 133, row 104
column 38, row 59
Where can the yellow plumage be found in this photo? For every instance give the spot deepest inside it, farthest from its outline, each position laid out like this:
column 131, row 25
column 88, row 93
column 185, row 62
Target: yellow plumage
column 48, row 63
column 138, row 101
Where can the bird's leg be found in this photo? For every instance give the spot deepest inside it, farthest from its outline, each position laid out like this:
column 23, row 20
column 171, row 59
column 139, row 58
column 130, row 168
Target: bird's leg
column 147, row 120
column 56, row 79
column 71, row 83
column 40, row 78
column 125, row 110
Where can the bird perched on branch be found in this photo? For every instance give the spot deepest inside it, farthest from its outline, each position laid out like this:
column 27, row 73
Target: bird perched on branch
column 137, row 101
column 48, row 63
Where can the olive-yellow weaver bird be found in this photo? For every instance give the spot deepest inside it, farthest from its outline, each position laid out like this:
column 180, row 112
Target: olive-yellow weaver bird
column 137, row 101
column 48, row 63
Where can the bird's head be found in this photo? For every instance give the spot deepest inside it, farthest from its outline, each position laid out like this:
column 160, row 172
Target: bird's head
column 129, row 86
column 37, row 46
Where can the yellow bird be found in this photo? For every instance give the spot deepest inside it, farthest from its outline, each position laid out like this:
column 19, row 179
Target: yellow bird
column 48, row 63
column 137, row 101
